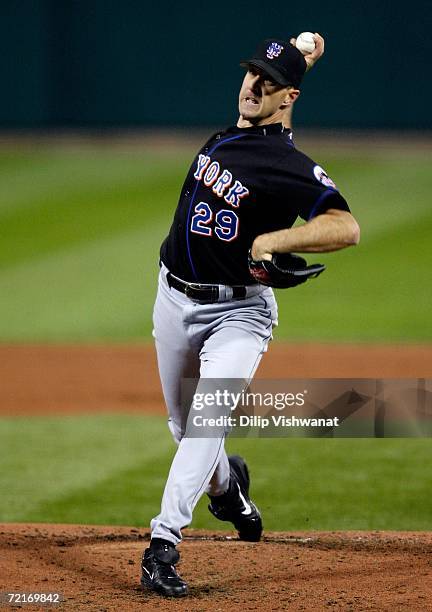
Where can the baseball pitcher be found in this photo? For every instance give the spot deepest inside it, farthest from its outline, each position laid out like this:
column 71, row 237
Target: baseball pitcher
column 230, row 242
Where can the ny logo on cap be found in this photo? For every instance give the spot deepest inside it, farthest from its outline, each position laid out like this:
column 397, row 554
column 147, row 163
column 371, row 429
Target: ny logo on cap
column 274, row 50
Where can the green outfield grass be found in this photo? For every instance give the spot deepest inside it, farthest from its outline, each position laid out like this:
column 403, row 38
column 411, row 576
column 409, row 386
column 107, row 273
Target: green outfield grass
column 80, row 234
column 111, row 469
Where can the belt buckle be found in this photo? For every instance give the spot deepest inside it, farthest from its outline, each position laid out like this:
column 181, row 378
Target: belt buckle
column 197, row 287
column 189, row 291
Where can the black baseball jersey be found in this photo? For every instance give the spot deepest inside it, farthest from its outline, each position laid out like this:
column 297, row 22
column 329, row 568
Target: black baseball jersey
column 244, row 182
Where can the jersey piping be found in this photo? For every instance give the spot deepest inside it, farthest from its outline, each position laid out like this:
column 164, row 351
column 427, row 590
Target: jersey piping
column 322, row 197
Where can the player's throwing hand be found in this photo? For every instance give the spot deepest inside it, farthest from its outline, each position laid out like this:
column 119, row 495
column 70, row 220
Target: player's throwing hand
column 314, row 56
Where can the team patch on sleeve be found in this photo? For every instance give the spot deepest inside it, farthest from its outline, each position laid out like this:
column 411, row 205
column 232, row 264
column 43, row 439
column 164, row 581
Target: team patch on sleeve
column 322, row 176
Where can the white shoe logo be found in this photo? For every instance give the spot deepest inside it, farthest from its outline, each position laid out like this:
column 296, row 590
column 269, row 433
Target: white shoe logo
column 248, row 509
column 151, row 575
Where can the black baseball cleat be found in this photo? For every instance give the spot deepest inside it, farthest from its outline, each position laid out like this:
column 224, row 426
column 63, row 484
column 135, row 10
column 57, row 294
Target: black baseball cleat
column 159, row 573
column 235, row 505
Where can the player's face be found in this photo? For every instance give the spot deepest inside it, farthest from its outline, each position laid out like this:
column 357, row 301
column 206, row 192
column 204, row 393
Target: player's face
column 262, row 100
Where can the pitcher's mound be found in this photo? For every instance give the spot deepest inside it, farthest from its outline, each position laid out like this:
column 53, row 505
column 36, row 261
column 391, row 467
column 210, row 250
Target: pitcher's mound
column 98, row 568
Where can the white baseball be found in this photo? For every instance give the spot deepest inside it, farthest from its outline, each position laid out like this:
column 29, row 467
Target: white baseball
column 305, row 42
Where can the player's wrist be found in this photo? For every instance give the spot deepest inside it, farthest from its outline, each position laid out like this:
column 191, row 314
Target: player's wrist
column 262, row 248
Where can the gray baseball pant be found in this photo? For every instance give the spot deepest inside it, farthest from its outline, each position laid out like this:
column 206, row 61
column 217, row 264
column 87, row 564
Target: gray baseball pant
column 221, row 340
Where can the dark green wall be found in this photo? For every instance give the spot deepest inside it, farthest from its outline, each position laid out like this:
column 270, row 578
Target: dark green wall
column 112, row 62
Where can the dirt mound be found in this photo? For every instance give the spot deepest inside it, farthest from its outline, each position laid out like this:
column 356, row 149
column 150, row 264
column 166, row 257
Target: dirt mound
column 97, row 568
column 58, row 379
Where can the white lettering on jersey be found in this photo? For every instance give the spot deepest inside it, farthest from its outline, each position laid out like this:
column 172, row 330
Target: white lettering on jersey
column 220, row 181
column 236, row 192
column 202, row 163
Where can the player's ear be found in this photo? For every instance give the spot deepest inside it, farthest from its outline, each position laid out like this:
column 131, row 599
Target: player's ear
column 293, row 94
column 290, row 97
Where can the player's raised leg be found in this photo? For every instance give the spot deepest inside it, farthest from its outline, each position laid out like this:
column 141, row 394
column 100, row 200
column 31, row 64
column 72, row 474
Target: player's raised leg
column 232, row 502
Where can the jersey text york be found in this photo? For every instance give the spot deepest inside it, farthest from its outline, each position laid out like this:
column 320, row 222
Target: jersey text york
column 221, row 182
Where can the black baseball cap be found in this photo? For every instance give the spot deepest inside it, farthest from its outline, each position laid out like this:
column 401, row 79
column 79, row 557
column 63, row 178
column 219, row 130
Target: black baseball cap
column 283, row 62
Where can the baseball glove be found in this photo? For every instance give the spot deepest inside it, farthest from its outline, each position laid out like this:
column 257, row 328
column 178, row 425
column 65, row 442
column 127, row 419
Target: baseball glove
column 283, row 271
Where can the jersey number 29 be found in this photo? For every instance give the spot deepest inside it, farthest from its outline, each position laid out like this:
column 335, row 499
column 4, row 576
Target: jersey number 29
column 225, row 226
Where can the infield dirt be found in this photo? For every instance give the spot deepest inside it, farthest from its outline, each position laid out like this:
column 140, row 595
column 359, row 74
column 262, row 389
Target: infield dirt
column 98, row 569
column 59, row 379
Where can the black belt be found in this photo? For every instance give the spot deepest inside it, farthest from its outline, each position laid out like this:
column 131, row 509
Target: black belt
column 204, row 293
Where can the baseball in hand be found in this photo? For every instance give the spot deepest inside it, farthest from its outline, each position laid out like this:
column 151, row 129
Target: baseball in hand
column 305, row 42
